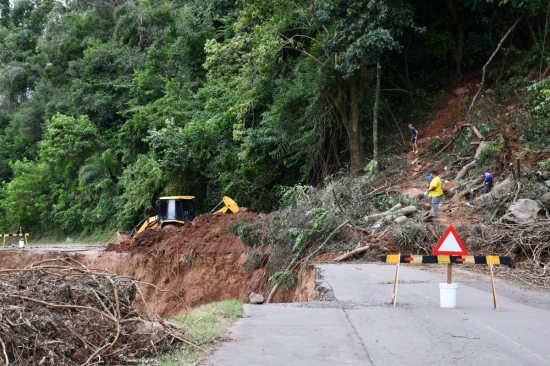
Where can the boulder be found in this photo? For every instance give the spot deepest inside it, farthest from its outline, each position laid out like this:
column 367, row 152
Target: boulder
column 545, row 198
column 547, row 183
column 255, row 298
column 522, row 211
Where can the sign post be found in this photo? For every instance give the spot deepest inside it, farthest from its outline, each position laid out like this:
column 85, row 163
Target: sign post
column 395, row 281
column 493, row 286
column 449, row 244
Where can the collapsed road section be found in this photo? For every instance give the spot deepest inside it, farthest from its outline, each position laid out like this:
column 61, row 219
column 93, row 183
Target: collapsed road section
column 179, row 268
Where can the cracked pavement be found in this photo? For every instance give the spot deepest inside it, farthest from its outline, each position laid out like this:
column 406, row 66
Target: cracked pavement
column 360, row 327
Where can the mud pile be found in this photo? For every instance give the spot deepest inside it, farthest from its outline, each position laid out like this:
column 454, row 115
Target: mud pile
column 206, row 234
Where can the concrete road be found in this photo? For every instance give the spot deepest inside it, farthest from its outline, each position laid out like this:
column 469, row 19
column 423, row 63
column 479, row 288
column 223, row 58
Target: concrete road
column 360, row 327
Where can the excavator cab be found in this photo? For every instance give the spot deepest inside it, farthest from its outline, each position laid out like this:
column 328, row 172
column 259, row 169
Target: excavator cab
column 176, row 210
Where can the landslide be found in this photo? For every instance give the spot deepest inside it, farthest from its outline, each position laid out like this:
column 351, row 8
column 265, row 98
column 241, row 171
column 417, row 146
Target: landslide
column 179, row 268
column 207, row 234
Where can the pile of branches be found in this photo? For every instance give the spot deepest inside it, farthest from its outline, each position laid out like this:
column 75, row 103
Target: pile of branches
column 529, row 246
column 58, row 312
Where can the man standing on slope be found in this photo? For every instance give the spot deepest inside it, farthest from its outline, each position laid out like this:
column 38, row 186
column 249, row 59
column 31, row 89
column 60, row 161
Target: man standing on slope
column 435, row 191
column 414, row 138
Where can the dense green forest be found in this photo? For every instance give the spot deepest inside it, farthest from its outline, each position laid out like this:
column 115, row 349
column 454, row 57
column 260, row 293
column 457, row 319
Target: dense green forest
column 105, row 105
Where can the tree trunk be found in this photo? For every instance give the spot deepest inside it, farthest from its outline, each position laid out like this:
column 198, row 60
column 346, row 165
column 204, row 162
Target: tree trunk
column 459, row 36
column 355, row 130
column 348, row 99
column 375, row 115
column 459, row 51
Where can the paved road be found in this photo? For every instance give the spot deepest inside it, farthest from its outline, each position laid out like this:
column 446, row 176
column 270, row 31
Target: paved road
column 69, row 248
column 361, row 328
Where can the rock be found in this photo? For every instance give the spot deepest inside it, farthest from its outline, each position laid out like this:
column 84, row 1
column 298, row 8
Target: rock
column 523, row 211
column 413, row 192
column 400, row 219
column 545, row 198
column 255, row 298
column 460, row 91
column 547, row 183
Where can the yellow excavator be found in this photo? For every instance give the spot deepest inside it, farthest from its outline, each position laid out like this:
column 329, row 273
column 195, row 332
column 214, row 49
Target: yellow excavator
column 175, row 211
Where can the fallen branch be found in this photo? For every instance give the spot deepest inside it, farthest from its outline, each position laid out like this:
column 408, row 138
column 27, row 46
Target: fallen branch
column 352, row 253
column 392, row 216
column 382, row 214
column 74, row 315
column 297, row 256
column 480, row 87
column 462, row 173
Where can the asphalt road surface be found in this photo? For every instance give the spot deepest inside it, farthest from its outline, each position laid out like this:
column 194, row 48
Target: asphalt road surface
column 361, row 327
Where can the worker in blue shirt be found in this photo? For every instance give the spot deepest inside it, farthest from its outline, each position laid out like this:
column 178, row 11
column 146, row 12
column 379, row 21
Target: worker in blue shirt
column 488, row 182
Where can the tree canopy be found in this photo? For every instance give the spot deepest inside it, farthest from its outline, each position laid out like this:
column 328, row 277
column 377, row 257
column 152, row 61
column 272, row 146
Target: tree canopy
column 106, row 105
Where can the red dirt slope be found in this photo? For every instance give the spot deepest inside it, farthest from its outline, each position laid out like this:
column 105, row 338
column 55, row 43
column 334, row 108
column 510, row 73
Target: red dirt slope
column 206, row 234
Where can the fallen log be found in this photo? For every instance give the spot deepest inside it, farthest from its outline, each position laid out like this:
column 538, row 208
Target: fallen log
column 392, row 216
column 498, row 189
column 382, row 214
column 352, row 253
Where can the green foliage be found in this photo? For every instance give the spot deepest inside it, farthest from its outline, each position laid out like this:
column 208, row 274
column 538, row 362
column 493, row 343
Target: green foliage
column 247, row 231
column 106, row 105
column 435, row 144
column 488, row 155
column 544, row 165
column 536, row 132
column 141, row 184
column 290, row 196
column 285, row 279
column 254, row 260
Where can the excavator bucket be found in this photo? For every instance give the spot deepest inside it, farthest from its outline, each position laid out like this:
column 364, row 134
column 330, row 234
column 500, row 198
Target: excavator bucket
column 146, row 223
column 229, row 205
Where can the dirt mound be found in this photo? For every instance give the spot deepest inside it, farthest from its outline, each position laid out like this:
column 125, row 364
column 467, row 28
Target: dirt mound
column 206, row 234
column 451, row 113
column 59, row 314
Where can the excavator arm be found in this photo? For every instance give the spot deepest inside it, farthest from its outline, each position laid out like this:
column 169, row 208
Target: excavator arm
column 228, row 205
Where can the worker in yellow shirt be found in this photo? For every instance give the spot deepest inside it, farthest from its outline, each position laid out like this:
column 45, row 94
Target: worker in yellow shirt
column 435, row 191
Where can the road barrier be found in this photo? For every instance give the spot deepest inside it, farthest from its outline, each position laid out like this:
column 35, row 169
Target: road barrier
column 449, row 250
column 21, row 235
column 446, row 259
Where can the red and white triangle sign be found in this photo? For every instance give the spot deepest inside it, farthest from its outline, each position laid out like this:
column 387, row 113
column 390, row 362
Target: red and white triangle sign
column 450, row 244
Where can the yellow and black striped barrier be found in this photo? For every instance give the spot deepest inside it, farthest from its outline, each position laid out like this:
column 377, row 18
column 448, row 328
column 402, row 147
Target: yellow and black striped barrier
column 446, row 259
column 22, row 235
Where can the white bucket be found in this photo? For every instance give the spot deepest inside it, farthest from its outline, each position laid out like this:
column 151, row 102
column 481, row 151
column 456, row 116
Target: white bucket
column 21, row 243
column 447, row 295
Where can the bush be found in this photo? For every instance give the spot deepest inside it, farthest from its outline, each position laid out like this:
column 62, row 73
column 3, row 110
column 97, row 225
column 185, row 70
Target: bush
column 544, row 165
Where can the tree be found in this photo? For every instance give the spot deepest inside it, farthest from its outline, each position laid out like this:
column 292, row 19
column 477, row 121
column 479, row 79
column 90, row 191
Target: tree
column 342, row 38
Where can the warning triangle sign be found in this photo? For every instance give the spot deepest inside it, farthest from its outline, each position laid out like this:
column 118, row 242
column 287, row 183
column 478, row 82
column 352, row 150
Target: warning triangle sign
column 450, row 244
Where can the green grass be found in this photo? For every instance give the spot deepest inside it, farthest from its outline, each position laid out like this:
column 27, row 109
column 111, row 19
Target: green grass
column 205, row 326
